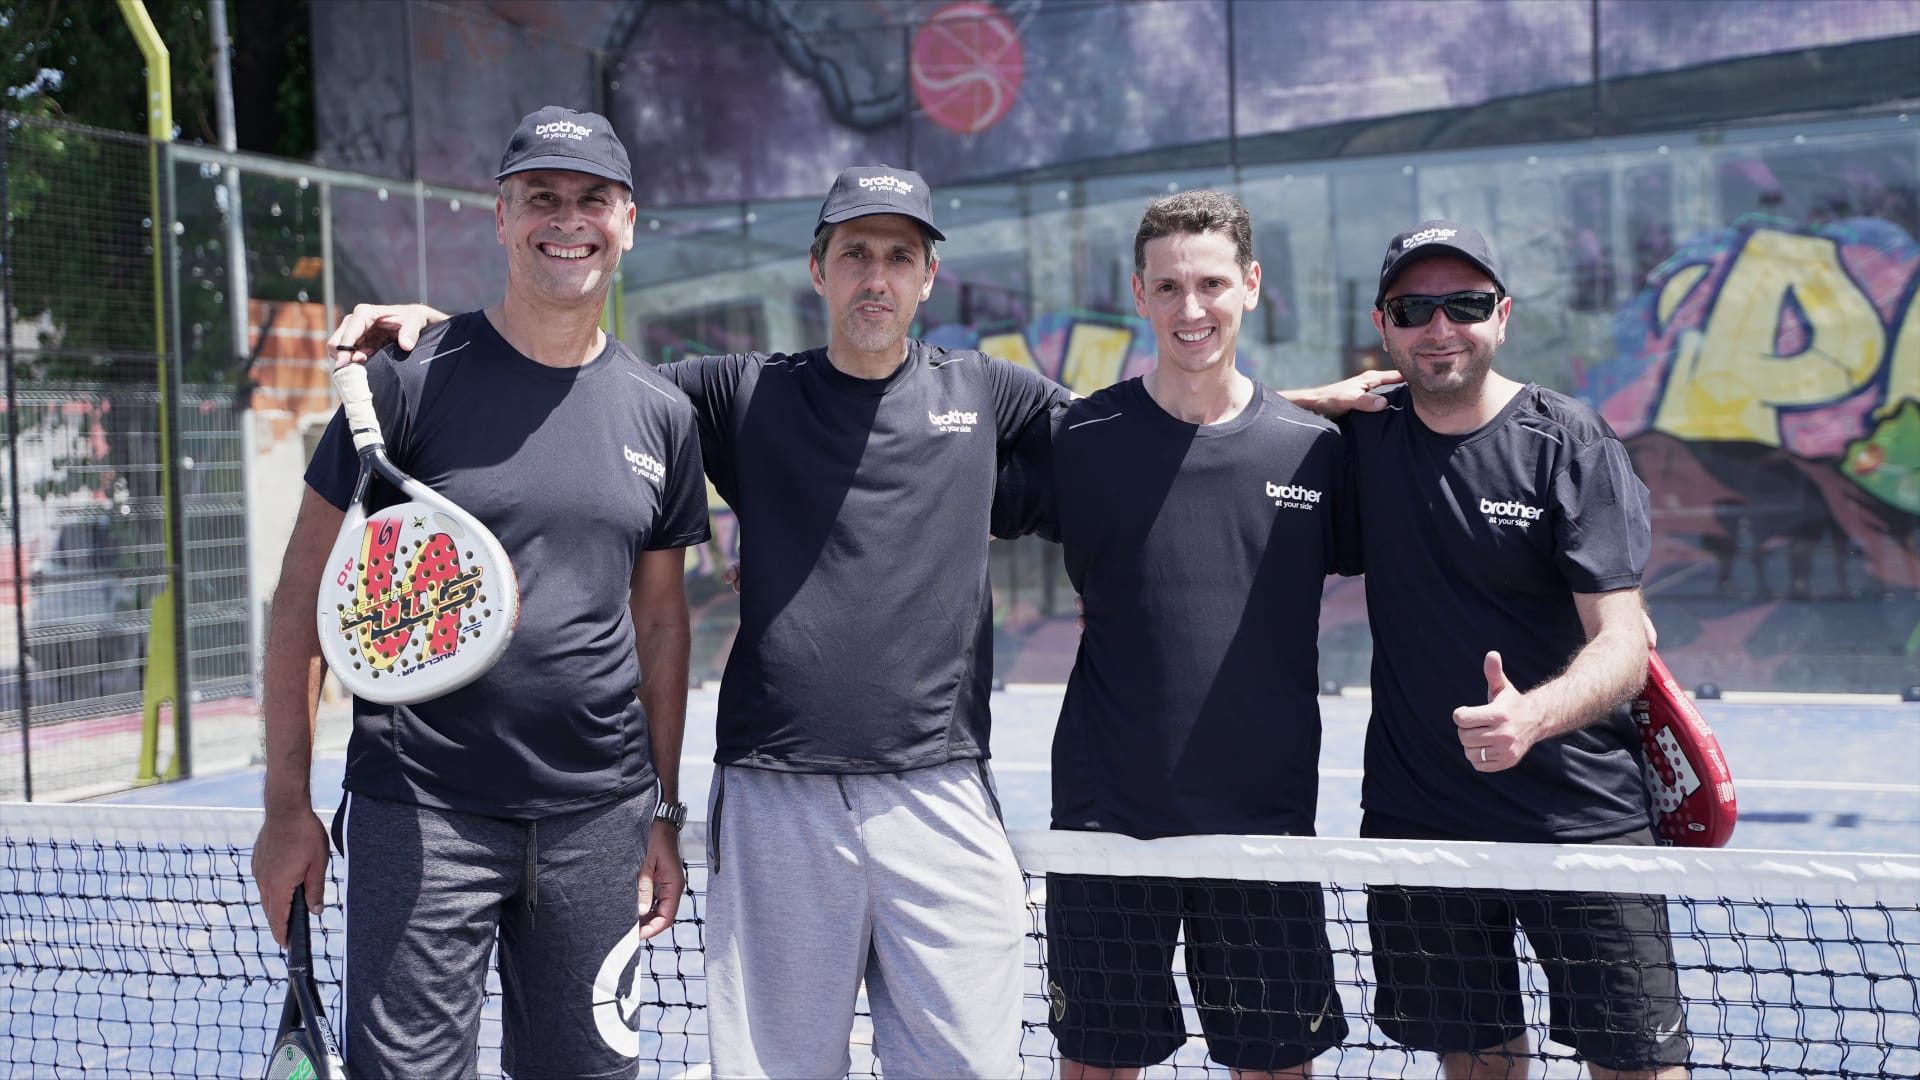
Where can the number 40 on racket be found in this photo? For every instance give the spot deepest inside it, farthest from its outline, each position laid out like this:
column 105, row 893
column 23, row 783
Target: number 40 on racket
column 419, row 599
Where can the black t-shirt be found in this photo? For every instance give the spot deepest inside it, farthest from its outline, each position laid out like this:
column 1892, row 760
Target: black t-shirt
column 1478, row 542
column 577, row 471
column 865, row 615
column 1200, row 553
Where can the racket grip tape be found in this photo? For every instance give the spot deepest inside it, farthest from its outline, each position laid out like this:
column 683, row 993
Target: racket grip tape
column 356, row 397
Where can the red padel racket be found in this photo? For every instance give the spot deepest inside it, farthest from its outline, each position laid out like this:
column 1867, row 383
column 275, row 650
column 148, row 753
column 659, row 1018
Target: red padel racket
column 419, row 599
column 1692, row 788
column 304, row 1048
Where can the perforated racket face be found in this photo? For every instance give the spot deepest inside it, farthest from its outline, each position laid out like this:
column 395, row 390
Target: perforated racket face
column 1693, row 796
column 294, row 1058
column 415, row 604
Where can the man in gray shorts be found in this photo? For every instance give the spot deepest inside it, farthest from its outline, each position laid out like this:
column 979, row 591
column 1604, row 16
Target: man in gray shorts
column 854, row 832
column 523, row 805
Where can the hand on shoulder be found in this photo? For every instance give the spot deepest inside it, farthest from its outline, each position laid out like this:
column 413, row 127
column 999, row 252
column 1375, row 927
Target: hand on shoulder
column 1352, row 394
column 368, row 328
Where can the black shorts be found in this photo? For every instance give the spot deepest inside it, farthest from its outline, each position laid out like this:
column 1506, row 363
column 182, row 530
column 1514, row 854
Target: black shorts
column 1449, row 977
column 1257, row 959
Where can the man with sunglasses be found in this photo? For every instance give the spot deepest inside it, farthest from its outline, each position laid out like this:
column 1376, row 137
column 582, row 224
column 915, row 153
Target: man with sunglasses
column 1503, row 533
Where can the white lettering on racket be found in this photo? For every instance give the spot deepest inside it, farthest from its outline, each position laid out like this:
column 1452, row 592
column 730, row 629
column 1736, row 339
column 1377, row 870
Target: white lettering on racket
column 614, row 1013
column 1667, row 797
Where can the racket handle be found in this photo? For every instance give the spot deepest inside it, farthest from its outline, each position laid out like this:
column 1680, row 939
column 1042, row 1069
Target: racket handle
column 356, row 397
column 299, row 940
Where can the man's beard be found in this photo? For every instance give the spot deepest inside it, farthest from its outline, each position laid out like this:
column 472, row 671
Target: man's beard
column 1457, row 386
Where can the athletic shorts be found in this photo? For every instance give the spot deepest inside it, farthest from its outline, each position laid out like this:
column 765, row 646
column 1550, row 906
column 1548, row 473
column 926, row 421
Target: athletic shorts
column 1257, row 960
column 818, row 883
column 1449, row 977
column 427, row 894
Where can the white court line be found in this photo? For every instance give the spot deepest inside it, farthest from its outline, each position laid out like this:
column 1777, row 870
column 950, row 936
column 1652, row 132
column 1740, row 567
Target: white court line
column 1001, row 766
column 1740, row 697
column 1827, row 785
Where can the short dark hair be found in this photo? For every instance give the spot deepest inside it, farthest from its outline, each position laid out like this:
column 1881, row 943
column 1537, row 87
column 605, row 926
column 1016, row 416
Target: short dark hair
column 818, row 252
column 1198, row 211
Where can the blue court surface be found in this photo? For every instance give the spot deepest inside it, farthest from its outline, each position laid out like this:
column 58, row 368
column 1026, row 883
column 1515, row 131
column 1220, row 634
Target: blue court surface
column 1811, row 776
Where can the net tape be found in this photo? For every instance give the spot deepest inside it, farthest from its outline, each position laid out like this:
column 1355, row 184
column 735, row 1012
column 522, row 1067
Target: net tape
column 132, row 946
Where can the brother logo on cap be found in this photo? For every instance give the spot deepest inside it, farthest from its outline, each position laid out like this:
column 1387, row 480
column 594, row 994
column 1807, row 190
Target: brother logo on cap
column 560, row 138
column 562, row 129
column 878, row 189
column 1428, row 236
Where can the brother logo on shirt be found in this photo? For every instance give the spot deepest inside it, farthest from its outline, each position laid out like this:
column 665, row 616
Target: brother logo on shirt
column 562, row 129
column 1294, row 498
column 645, row 464
column 886, row 183
column 1510, row 513
column 953, row 420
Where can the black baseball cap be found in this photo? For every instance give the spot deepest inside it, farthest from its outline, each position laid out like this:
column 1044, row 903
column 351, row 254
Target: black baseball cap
column 1431, row 238
column 559, row 138
column 877, row 189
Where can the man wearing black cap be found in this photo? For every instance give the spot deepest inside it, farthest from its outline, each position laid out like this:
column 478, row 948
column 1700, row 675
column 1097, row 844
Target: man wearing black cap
column 1504, row 534
column 523, row 806
column 854, row 833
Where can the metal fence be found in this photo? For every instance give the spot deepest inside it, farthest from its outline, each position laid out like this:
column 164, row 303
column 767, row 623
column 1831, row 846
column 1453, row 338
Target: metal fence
column 136, row 428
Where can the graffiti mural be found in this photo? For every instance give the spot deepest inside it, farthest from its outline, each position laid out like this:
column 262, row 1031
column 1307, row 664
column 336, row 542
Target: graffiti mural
column 1081, row 350
column 1767, row 381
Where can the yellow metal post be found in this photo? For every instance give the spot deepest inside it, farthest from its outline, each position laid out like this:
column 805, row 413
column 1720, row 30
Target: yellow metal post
column 163, row 631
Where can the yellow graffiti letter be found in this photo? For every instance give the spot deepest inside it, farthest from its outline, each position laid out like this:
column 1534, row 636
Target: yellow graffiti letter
column 1729, row 383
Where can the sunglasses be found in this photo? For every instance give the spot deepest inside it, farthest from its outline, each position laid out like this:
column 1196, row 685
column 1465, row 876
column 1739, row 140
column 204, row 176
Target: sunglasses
column 1461, row 307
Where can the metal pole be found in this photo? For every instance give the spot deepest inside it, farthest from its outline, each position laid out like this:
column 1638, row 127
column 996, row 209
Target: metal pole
column 1599, row 91
column 239, row 294
column 172, row 470
column 25, row 684
column 419, row 238
column 328, row 297
column 1233, row 87
column 166, row 625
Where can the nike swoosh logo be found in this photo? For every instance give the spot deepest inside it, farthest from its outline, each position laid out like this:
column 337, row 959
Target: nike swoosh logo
column 1314, row 1027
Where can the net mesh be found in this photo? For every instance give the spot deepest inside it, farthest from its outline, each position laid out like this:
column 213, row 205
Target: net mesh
column 131, row 946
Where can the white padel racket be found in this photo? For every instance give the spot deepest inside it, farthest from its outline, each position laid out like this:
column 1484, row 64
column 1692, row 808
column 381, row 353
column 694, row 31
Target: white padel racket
column 419, row 599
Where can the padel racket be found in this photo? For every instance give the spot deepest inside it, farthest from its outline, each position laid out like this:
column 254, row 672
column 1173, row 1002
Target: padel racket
column 304, row 1048
column 419, row 599
column 1692, row 788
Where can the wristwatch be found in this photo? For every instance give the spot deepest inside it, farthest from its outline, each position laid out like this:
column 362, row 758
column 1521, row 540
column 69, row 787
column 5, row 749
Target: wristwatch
column 673, row 813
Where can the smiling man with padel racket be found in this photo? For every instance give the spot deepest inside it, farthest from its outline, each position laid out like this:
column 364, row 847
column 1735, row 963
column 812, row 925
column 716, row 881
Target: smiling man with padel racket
column 531, row 791
column 1503, row 533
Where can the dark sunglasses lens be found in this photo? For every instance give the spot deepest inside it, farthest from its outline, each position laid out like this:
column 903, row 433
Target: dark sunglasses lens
column 1408, row 311
column 1470, row 307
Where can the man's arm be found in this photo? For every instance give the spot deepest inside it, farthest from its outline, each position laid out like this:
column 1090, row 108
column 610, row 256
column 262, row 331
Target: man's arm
column 368, row 328
column 663, row 640
column 1336, row 400
column 1606, row 673
column 292, row 846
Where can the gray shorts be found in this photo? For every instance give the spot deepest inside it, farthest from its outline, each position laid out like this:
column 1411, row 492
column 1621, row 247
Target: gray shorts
column 427, row 893
column 905, row 880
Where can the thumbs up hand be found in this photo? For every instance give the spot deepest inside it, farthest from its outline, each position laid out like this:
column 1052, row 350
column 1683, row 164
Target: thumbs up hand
column 1496, row 735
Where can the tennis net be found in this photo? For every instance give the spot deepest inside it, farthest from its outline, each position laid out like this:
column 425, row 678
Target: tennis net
column 131, row 946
